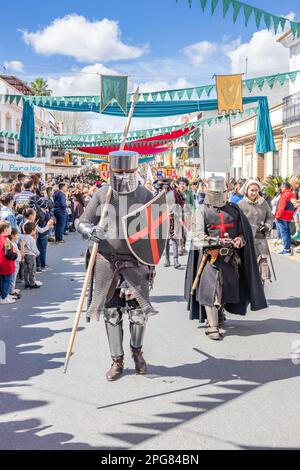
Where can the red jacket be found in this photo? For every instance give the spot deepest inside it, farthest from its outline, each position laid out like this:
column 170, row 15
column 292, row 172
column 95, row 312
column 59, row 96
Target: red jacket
column 285, row 209
column 7, row 266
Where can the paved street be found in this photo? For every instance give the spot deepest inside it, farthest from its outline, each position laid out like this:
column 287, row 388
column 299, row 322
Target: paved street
column 240, row 393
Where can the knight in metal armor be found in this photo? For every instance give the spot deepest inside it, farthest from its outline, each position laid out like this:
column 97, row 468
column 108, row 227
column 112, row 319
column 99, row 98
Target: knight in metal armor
column 222, row 272
column 120, row 281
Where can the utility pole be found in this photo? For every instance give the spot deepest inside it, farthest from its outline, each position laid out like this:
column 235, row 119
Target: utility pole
column 230, row 148
column 203, row 154
column 246, row 68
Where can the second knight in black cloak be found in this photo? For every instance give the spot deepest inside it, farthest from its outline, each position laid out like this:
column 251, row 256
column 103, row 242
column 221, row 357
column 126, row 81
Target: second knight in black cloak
column 230, row 282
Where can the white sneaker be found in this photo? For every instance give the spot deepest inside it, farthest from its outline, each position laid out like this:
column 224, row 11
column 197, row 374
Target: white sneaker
column 38, row 283
column 15, row 291
column 7, row 300
column 47, row 269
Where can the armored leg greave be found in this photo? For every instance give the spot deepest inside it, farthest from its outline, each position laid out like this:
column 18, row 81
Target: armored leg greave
column 167, row 252
column 212, row 330
column 175, row 248
column 212, row 315
column 114, row 330
column 137, row 324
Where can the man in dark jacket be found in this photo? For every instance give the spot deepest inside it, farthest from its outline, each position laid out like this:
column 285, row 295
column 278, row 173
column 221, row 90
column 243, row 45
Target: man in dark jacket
column 60, row 214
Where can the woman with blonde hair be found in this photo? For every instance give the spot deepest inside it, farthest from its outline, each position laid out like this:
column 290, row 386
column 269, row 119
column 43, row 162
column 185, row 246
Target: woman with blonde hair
column 260, row 217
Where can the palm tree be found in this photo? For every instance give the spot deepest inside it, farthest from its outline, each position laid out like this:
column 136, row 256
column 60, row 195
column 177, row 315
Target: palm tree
column 40, row 87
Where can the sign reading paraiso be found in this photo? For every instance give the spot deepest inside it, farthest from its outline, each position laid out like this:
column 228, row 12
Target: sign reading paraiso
column 20, row 167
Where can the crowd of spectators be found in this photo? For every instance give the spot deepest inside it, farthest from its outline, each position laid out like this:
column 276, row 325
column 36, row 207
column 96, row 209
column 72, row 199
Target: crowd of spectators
column 34, row 213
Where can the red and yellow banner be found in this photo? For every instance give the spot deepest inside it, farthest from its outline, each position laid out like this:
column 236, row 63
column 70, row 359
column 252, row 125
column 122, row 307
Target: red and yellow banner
column 104, row 171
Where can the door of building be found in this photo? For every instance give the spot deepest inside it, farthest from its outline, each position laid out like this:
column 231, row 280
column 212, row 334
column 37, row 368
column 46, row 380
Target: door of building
column 296, row 162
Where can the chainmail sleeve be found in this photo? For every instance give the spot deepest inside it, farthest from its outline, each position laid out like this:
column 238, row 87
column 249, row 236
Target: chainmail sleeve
column 198, row 226
column 91, row 216
column 93, row 210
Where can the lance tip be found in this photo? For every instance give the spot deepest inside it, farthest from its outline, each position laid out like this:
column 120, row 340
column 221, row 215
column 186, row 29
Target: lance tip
column 65, row 366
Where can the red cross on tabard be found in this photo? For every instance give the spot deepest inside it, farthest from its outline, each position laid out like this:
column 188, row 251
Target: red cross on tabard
column 223, row 227
column 149, row 230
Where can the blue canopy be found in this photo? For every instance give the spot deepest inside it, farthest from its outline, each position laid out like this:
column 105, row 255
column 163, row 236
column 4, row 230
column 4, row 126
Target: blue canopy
column 264, row 141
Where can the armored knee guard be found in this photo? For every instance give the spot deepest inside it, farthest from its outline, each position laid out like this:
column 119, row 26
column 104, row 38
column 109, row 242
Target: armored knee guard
column 114, row 330
column 137, row 324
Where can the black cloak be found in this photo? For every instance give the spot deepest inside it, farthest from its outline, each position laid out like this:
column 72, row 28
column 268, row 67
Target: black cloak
column 250, row 285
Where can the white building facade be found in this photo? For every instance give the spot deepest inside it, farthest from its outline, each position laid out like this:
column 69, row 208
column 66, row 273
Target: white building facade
column 285, row 119
column 11, row 120
column 11, row 162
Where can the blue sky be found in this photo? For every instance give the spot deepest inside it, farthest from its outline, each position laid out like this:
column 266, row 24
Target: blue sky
column 159, row 43
column 164, row 25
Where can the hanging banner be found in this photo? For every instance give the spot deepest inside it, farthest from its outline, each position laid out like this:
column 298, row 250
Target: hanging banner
column 68, row 158
column 229, row 93
column 188, row 174
column 114, row 87
column 104, row 171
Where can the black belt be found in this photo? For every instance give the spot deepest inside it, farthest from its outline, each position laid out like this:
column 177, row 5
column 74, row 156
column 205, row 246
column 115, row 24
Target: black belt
column 121, row 261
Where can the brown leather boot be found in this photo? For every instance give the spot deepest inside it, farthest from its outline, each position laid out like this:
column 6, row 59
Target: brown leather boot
column 140, row 363
column 116, row 369
column 212, row 332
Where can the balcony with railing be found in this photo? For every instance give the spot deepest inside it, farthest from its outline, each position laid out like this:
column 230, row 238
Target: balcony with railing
column 291, row 110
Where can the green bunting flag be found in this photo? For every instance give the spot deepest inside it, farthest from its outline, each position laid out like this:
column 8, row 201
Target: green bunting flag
column 236, row 9
column 226, row 5
column 258, row 15
column 89, row 103
column 113, row 88
column 267, row 19
column 247, row 13
column 270, row 20
column 276, row 22
column 203, row 4
column 214, row 4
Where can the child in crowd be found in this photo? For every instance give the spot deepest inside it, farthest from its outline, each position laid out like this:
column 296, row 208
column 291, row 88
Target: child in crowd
column 7, row 263
column 29, row 253
column 29, row 215
column 43, row 227
column 14, row 241
column 50, row 202
column 19, row 216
